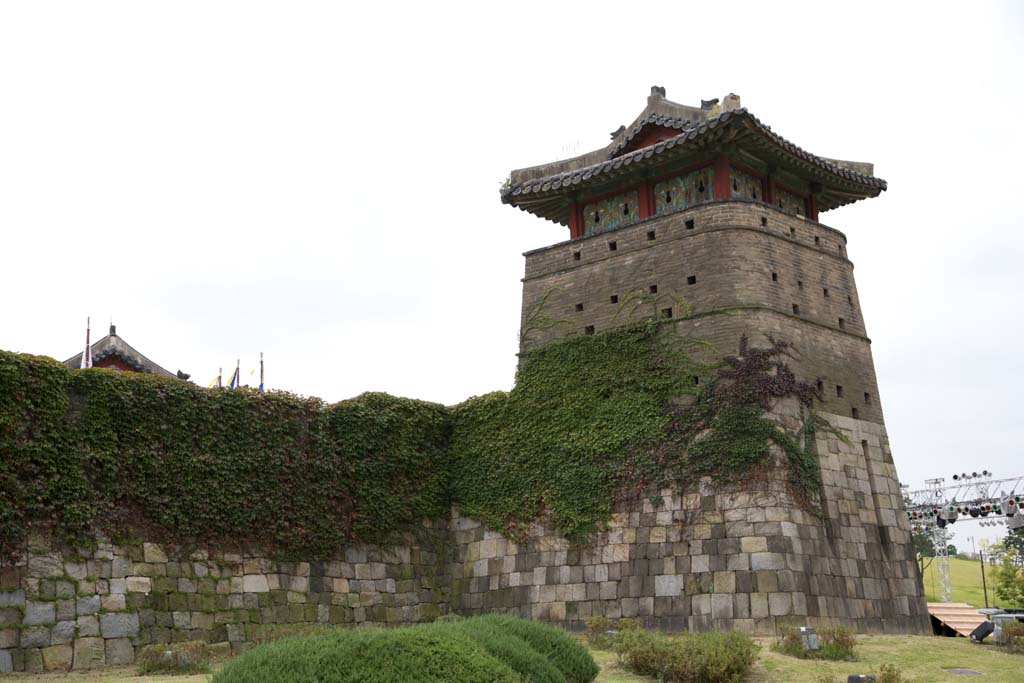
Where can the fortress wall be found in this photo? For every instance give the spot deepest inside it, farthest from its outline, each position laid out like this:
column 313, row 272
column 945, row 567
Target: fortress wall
column 750, row 559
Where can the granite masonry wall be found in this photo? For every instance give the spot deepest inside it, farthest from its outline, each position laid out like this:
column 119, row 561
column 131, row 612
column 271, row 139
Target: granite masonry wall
column 751, row 560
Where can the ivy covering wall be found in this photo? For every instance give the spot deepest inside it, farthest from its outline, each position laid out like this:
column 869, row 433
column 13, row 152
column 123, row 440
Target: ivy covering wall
column 127, row 453
column 589, row 418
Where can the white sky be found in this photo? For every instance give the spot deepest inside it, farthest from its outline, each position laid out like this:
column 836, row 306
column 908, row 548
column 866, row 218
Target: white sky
column 320, row 182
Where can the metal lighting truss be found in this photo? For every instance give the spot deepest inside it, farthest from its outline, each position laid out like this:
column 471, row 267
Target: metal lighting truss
column 971, row 497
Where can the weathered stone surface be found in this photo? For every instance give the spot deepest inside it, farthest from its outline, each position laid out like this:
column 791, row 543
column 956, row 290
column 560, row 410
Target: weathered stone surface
column 9, row 638
column 88, row 626
column 6, row 662
column 15, row 598
column 119, row 651
column 35, row 636
column 119, row 625
column 153, row 553
column 65, row 610
column 62, row 632
column 39, row 613
column 139, row 584
column 89, row 604
column 255, row 583
column 90, row 653
column 46, row 566
column 58, row 657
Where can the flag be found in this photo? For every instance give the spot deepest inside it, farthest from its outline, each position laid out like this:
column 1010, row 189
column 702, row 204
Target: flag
column 87, row 354
column 236, row 376
column 261, row 371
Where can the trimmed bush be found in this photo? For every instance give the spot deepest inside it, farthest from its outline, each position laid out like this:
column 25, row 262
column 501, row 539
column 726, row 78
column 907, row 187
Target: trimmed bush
column 501, row 649
column 510, row 649
column 601, row 630
column 571, row 658
column 174, row 658
column 1013, row 637
column 713, row 657
column 422, row 654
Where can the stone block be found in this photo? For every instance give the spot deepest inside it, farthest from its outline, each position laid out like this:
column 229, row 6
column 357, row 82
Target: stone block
column 47, row 566
column 39, row 613
column 780, row 604
column 725, row 582
column 767, row 561
column 9, row 638
column 667, row 586
column 754, row 544
column 62, row 632
column 153, row 553
column 6, row 662
column 89, row 653
column 36, row 636
column 58, row 657
column 119, row 625
column 89, row 604
column 65, row 610
column 119, row 651
column 721, row 606
column 139, row 584
column 257, row 583
column 88, row 626
column 113, row 603
column 15, row 598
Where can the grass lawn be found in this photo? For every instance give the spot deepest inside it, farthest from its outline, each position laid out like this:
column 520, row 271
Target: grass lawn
column 921, row 659
column 967, row 586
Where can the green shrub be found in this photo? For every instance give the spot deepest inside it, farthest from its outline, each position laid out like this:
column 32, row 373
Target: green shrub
column 1013, row 637
column 174, row 658
column 834, row 643
column 265, row 633
column 497, row 648
column 510, row 649
column 713, row 657
column 890, row 673
column 421, row 654
column 600, row 633
column 571, row 658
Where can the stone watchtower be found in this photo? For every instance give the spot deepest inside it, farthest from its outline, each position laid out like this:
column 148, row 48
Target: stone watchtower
column 705, row 216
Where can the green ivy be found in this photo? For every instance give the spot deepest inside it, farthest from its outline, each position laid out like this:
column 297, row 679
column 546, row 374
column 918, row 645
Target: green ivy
column 590, row 418
column 126, row 452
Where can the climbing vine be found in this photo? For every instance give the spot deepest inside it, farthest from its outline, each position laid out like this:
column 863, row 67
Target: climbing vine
column 591, row 418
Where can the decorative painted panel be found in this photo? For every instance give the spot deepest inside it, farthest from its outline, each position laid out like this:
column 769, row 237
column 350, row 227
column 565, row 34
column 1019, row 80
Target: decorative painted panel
column 682, row 191
column 745, row 185
column 611, row 213
column 789, row 202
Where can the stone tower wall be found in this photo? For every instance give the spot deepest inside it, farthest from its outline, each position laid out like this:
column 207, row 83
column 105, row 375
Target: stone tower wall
column 732, row 250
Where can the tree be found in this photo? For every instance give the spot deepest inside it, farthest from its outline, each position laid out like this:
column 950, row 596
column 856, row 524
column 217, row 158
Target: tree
column 1008, row 578
column 1015, row 539
column 951, row 550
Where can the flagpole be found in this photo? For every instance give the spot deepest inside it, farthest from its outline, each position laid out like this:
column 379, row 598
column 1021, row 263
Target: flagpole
column 261, row 371
column 87, row 353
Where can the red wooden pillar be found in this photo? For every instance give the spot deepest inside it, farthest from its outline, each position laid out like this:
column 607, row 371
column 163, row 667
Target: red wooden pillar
column 575, row 220
column 723, row 190
column 769, row 189
column 812, row 207
column 646, row 192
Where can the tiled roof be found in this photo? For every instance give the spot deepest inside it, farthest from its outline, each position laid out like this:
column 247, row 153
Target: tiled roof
column 653, row 119
column 726, row 126
column 113, row 346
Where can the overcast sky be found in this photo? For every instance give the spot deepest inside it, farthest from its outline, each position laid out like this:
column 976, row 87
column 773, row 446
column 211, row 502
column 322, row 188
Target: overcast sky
column 320, row 183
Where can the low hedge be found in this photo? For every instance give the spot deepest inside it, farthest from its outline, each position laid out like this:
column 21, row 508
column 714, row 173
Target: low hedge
column 174, row 658
column 713, row 657
column 498, row 649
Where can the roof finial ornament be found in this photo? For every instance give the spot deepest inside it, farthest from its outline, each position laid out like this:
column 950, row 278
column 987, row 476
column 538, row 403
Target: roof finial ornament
column 657, row 93
column 113, row 329
column 618, row 131
column 731, row 102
